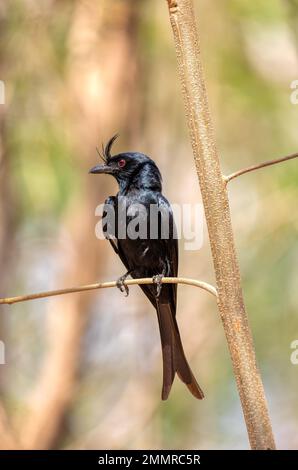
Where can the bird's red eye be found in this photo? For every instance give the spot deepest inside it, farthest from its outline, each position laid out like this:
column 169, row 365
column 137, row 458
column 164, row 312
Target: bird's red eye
column 121, row 163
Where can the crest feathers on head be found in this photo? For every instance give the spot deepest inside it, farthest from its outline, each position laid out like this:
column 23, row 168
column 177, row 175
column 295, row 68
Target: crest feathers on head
column 105, row 155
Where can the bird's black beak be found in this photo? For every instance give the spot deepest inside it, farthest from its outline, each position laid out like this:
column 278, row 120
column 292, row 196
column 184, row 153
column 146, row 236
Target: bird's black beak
column 101, row 169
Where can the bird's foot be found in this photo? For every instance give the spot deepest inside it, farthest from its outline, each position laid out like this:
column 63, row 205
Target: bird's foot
column 158, row 281
column 120, row 284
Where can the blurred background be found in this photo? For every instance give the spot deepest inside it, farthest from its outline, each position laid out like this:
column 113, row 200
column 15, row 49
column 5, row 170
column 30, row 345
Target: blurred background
column 84, row 371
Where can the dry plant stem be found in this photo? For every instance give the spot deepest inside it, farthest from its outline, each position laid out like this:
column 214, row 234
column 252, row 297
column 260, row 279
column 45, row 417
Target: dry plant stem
column 104, row 285
column 216, row 204
column 259, row 166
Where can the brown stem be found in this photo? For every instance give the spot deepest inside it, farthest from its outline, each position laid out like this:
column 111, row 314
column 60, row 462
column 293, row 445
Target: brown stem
column 260, row 165
column 216, row 204
column 104, row 285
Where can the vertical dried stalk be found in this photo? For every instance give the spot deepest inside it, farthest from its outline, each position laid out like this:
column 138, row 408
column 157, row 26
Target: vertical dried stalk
column 216, row 204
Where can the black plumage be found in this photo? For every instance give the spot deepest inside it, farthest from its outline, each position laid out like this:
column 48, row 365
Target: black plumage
column 149, row 254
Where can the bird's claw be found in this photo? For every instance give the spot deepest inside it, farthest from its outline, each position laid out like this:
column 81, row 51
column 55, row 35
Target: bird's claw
column 157, row 279
column 121, row 286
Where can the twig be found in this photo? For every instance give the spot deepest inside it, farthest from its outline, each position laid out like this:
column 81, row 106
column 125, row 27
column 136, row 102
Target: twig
column 104, row 285
column 257, row 167
column 216, row 205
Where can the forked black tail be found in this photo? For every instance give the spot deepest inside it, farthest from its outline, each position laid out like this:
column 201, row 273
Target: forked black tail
column 173, row 356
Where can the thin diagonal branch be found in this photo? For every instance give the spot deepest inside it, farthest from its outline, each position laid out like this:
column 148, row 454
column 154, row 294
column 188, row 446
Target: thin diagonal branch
column 103, row 285
column 260, row 165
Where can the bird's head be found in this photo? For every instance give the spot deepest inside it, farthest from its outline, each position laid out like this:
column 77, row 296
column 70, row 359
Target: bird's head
column 128, row 168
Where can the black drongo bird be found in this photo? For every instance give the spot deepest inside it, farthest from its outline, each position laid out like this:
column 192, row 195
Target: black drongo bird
column 153, row 254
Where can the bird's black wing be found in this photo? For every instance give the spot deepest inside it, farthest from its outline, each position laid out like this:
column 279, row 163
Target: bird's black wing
column 110, row 227
column 174, row 359
column 166, row 250
column 170, row 249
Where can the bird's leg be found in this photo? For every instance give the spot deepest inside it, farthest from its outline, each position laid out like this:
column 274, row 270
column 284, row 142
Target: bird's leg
column 120, row 283
column 157, row 279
